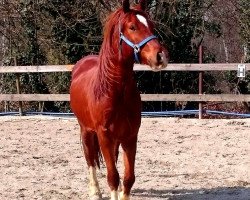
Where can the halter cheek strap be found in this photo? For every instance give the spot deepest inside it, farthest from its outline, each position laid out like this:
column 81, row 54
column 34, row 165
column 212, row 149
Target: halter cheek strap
column 136, row 47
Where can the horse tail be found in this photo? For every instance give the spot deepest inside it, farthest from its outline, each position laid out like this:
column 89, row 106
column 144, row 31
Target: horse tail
column 98, row 153
column 117, row 144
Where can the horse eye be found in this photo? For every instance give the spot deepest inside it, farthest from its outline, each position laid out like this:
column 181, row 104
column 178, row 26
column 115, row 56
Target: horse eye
column 132, row 27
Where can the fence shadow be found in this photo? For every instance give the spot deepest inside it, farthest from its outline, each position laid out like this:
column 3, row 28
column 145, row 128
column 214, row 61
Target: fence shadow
column 220, row 193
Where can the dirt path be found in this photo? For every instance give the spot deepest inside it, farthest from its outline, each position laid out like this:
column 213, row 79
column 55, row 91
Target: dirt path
column 40, row 158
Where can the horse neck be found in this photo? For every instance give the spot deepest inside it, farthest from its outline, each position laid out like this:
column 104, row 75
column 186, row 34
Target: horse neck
column 113, row 73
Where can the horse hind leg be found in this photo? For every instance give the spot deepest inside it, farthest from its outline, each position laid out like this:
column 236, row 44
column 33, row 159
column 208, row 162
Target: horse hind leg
column 92, row 152
column 94, row 190
column 116, row 150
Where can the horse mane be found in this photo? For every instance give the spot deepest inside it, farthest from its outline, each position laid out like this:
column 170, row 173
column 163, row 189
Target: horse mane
column 107, row 55
column 111, row 31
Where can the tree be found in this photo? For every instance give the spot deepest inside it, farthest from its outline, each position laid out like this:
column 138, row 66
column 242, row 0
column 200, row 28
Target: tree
column 181, row 25
column 244, row 19
column 75, row 27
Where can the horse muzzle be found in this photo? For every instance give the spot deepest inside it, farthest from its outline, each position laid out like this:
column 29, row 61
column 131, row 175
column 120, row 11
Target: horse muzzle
column 160, row 62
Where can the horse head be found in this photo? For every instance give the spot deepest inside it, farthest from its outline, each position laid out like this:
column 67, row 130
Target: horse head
column 136, row 37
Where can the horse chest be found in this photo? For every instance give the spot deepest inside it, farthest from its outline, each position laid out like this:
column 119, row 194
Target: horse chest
column 122, row 117
column 123, row 125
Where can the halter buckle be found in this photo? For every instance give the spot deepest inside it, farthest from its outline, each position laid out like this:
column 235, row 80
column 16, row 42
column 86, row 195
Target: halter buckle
column 136, row 48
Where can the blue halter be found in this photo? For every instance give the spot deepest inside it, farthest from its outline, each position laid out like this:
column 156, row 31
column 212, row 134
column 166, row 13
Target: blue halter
column 136, row 47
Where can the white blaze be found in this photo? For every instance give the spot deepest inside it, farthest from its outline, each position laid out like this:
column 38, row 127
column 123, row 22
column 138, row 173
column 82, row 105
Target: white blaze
column 142, row 20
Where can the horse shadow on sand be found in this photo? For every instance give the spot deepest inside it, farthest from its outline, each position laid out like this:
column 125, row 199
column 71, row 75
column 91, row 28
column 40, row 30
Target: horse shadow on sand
column 219, row 193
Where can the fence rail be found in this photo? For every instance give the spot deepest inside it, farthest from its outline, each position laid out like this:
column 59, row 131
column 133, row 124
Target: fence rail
column 137, row 67
column 145, row 97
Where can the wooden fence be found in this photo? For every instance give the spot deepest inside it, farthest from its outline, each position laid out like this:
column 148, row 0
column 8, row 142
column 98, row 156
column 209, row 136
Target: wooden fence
column 145, row 97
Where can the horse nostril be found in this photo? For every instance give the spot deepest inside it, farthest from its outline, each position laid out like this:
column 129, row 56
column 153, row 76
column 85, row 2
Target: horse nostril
column 159, row 57
column 162, row 59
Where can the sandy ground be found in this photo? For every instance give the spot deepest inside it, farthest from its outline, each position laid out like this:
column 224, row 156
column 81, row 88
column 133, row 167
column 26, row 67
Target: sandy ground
column 41, row 158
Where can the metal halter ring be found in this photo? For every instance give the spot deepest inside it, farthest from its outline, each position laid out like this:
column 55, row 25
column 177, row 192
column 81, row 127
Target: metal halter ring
column 136, row 48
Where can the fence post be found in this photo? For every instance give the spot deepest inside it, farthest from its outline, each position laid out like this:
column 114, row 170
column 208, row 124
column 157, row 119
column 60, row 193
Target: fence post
column 200, row 82
column 18, row 90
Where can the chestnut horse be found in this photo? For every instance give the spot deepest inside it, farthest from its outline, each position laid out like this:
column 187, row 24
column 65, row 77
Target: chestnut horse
column 105, row 99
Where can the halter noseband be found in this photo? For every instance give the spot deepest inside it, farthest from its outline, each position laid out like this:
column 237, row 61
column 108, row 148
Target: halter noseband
column 136, row 47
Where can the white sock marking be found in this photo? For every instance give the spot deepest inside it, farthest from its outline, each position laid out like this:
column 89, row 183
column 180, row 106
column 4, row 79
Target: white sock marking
column 142, row 20
column 93, row 183
column 114, row 195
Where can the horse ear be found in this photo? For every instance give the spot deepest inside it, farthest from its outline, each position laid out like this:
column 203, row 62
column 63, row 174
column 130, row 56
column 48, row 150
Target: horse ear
column 126, row 6
column 143, row 4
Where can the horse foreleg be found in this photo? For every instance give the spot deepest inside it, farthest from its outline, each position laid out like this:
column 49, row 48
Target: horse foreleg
column 107, row 147
column 129, row 163
column 90, row 154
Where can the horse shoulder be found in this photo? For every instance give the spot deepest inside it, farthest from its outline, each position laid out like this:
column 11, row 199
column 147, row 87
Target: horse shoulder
column 85, row 64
